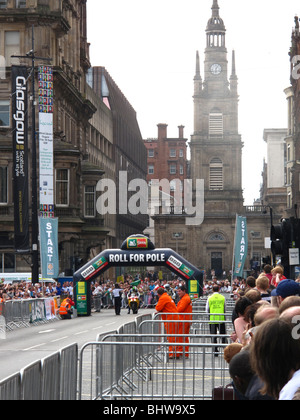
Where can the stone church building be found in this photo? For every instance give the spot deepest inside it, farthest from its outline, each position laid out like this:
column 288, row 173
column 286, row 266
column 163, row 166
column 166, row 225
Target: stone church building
column 216, row 157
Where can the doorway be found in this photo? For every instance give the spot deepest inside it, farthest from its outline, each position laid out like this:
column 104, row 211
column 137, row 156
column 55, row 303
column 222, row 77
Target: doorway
column 217, row 263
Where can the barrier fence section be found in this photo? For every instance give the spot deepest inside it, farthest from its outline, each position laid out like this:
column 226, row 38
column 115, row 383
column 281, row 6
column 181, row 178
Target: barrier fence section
column 137, row 361
column 126, row 365
column 52, row 378
column 134, row 368
column 21, row 313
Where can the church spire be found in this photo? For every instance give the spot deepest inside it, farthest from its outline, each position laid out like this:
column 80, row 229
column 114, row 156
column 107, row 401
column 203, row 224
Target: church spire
column 233, row 71
column 215, row 9
column 197, row 75
column 197, row 78
column 233, row 77
column 215, row 30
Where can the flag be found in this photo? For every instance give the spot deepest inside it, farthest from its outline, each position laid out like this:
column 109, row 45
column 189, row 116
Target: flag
column 20, row 158
column 49, row 247
column 241, row 246
column 135, row 283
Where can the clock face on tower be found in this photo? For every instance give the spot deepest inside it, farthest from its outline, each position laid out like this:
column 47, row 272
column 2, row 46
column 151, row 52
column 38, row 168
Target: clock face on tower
column 216, row 69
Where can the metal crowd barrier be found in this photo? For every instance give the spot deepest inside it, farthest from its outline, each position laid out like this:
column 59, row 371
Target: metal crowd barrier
column 137, row 365
column 133, row 362
column 134, row 368
column 22, row 313
column 52, row 378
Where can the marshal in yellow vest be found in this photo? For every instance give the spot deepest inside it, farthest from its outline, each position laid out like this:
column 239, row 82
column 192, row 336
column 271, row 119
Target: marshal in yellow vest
column 216, row 306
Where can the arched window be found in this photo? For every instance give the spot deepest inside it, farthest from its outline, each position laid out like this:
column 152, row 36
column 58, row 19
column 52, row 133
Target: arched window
column 216, row 174
column 216, row 236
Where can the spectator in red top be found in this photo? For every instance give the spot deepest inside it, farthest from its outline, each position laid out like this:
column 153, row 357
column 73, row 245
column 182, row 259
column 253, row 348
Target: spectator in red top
column 278, row 276
column 267, row 271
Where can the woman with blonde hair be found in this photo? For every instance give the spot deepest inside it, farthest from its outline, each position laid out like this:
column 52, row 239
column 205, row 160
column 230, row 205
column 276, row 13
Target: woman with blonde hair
column 277, row 273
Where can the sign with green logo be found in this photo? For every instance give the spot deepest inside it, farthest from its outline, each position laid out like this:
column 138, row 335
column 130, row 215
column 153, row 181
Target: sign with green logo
column 82, row 297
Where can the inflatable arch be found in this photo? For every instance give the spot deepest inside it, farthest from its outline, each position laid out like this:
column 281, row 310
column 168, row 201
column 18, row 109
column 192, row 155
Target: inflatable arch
column 138, row 250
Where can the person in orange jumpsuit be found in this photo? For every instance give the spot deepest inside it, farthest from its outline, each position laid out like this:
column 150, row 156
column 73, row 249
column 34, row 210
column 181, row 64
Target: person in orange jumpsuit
column 184, row 306
column 166, row 305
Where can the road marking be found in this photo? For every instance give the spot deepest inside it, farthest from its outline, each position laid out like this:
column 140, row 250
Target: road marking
column 97, row 328
column 81, row 332
column 112, row 323
column 33, row 347
column 47, row 331
column 59, row 339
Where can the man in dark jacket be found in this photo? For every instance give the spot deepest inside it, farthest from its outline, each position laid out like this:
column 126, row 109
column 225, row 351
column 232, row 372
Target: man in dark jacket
column 245, row 381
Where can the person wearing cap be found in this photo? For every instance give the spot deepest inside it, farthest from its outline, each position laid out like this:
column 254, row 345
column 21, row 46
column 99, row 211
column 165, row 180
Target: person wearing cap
column 285, row 289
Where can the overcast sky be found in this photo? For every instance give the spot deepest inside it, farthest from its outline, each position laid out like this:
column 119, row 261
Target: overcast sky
column 149, row 49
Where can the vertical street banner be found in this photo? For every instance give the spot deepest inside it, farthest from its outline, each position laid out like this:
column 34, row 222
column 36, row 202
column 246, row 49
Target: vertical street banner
column 46, row 157
column 49, row 247
column 241, row 246
column 20, row 158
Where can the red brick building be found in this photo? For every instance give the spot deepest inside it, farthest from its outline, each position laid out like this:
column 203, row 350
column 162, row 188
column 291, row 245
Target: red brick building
column 167, row 157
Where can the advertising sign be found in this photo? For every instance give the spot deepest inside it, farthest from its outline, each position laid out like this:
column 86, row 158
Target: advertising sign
column 49, row 247
column 241, row 246
column 46, row 157
column 82, row 298
column 20, row 158
column 132, row 254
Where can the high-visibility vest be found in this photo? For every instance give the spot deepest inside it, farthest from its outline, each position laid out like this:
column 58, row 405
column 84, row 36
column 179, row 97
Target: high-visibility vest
column 217, row 306
column 64, row 307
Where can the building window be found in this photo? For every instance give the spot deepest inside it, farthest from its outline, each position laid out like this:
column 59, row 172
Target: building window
column 216, row 237
column 3, row 185
column 12, row 47
column 181, row 169
column 20, row 4
column 216, row 124
column 89, row 201
column 62, row 187
column 150, row 169
column 216, row 174
column 4, row 113
column 172, row 169
column 7, row 263
column 173, row 153
column 181, row 153
column 150, row 153
column 3, row 4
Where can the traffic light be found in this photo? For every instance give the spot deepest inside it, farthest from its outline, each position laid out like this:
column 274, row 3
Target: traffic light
column 281, row 241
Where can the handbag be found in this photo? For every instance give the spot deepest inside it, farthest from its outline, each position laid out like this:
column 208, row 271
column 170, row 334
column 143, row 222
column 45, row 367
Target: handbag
column 222, row 393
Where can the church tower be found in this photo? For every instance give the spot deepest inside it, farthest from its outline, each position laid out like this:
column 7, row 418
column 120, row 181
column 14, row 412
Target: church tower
column 216, row 157
column 216, row 146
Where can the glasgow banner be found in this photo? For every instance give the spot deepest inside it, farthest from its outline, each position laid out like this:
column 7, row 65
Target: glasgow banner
column 241, row 246
column 20, row 158
column 49, row 247
column 46, row 154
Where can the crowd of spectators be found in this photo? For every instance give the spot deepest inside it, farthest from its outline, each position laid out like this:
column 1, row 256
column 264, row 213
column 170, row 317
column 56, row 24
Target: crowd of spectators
column 264, row 353
column 27, row 290
column 147, row 287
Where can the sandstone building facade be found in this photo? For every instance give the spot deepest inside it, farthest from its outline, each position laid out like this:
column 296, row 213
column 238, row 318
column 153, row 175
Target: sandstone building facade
column 87, row 138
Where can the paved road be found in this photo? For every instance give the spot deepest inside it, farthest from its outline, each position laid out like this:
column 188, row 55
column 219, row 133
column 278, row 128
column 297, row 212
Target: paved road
column 27, row 345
